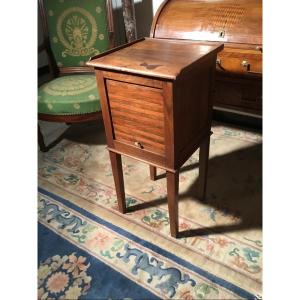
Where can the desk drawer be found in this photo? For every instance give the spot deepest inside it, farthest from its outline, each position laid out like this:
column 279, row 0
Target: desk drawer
column 137, row 115
column 240, row 61
column 239, row 93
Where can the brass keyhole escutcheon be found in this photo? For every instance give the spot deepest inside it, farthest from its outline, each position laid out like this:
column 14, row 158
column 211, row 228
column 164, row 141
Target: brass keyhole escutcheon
column 138, row 144
column 222, row 33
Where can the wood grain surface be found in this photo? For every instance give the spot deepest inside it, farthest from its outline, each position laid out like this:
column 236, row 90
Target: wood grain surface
column 234, row 21
column 157, row 58
column 237, row 23
column 156, row 99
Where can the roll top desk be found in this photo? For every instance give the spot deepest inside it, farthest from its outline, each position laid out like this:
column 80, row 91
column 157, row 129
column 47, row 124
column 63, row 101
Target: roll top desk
column 237, row 24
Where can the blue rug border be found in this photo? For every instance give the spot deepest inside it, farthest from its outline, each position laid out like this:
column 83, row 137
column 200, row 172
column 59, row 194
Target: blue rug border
column 221, row 282
column 93, row 293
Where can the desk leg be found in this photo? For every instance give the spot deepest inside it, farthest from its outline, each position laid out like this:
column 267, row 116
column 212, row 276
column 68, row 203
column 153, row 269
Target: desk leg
column 116, row 165
column 172, row 187
column 153, row 173
column 203, row 161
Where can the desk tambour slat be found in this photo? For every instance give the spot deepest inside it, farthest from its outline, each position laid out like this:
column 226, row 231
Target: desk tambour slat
column 156, row 105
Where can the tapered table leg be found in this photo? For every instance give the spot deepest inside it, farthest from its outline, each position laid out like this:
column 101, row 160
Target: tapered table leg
column 172, row 187
column 116, row 165
column 153, row 173
column 203, row 166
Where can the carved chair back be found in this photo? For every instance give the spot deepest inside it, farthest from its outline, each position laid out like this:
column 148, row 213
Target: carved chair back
column 75, row 30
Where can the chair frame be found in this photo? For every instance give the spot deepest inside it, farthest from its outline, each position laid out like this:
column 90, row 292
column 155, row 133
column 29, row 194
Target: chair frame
column 55, row 72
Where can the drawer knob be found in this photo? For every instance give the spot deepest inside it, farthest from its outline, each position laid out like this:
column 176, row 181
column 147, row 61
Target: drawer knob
column 138, row 144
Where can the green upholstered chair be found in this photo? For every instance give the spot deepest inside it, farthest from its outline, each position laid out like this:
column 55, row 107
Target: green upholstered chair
column 74, row 30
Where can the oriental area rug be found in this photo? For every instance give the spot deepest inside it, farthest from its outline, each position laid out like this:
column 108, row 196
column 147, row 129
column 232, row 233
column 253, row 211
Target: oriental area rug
column 88, row 250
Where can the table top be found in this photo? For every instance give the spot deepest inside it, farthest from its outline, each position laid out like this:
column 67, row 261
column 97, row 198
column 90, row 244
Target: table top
column 161, row 58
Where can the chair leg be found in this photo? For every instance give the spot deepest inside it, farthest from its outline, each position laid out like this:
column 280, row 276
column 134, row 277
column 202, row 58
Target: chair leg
column 41, row 142
column 203, row 166
column 153, row 174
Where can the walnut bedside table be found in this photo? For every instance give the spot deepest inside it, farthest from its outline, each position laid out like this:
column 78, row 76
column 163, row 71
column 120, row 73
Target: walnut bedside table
column 156, row 100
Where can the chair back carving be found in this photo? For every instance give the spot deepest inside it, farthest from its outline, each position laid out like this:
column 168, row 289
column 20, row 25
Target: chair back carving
column 75, row 30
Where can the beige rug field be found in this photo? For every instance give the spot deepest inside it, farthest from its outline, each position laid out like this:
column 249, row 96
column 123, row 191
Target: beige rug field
column 226, row 239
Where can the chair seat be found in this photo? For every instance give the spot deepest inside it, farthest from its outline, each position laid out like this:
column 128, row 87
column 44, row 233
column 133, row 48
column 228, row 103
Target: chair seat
column 69, row 95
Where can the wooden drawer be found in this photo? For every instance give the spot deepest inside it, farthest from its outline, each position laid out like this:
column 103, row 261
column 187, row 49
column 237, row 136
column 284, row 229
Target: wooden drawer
column 137, row 115
column 240, row 61
column 239, row 94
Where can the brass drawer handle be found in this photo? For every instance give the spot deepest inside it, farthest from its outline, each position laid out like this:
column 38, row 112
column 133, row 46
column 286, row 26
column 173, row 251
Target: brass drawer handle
column 138, row 144
column 245, row 63
column 259, row 48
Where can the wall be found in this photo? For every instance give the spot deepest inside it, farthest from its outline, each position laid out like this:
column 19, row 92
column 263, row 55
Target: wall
column 155, row 5
column 143, row 16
